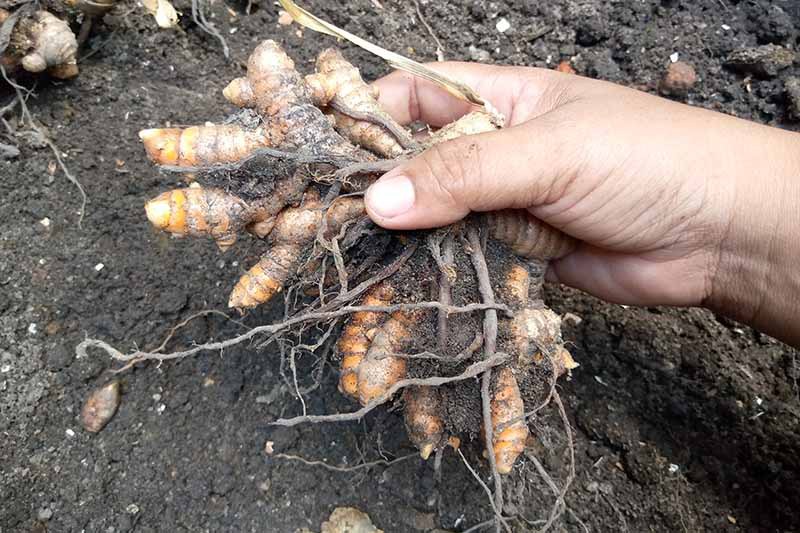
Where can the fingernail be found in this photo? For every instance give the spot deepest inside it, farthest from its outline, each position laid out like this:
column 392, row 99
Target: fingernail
column 391, row 196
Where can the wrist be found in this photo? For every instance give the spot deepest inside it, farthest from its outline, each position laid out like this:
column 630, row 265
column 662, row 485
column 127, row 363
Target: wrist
column 757, row 278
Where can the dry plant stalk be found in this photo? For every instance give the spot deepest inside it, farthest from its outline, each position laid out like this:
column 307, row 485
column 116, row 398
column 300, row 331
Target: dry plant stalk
column 283, row 177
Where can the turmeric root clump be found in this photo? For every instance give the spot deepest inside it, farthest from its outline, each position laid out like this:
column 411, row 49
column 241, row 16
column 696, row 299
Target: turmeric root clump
column 42, row 42
column 288, row 167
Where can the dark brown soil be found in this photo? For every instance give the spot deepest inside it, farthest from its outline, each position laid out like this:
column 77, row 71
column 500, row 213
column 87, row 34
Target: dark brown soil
column 683, row 421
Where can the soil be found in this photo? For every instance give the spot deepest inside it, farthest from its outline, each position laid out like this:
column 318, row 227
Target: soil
column 682, row 421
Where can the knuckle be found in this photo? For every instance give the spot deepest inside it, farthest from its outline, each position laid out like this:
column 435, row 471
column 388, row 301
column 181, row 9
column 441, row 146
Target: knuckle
column 449, row 166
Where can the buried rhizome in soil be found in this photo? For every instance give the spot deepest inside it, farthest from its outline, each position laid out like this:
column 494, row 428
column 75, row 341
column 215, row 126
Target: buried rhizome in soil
column 449, row 322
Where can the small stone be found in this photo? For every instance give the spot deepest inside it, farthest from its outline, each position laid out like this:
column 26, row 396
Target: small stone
column 763, row 61
column 792, row 86
column 674, row 58
column 479, row 54
column 269, row 447
column 45, row 222
column 348, row 520
column 100, row 407
column 70, row 433
column 678, row 80
column 591, row 26
column 59, row 357
column 503, row 25
column 98, row 267
column 132, row 509
column 284, row 18
column 565, row 67
column 32, row 328
column 44, row 514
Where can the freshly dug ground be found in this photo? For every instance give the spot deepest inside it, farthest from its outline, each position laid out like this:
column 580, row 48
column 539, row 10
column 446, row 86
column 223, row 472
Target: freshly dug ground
column 683, row 421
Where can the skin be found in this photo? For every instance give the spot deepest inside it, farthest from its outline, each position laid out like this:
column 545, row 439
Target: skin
column 674, row 205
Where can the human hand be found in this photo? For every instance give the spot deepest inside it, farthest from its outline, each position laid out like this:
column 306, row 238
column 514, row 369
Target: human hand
column 669, row 201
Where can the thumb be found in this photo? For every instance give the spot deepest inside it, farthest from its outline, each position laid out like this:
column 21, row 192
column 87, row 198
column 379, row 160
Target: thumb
column 485, row 172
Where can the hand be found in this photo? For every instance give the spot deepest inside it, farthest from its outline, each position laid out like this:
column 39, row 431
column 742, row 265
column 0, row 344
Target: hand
column 674, row 205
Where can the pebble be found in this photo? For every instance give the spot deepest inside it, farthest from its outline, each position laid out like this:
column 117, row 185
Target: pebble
column 284, row 18
column 503, row 25
column 479, row 54
column 763, row 61
column 792, row 86
column 348, row 519
column 59, row 357
column 100, row 407
column 565, row 67
column 678, row 80
column 44, row 514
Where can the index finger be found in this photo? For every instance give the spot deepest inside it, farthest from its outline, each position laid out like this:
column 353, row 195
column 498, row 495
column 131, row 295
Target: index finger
column 517, row 92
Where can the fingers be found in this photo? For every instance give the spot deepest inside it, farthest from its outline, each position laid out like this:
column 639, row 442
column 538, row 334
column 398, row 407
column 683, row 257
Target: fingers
column 510, row 168
column 631, row 279
column 518, row 93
